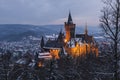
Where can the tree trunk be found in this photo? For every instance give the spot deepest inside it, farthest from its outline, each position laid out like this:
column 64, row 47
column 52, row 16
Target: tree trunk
column 116, row 61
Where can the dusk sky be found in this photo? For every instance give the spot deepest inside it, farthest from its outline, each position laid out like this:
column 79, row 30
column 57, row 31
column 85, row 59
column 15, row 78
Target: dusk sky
column 44, row 12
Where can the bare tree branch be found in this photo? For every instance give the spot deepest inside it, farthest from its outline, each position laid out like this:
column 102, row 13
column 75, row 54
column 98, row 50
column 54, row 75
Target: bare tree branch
column 110, row 23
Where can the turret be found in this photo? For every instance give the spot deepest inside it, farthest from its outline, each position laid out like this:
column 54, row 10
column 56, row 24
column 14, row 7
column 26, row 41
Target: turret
column 60, row 37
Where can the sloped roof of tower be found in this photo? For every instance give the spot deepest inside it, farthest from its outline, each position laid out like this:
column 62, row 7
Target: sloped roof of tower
column 60, row 36
column 70, row 19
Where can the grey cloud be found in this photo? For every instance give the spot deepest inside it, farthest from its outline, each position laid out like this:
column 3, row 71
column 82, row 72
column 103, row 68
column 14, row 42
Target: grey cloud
column 45, row 11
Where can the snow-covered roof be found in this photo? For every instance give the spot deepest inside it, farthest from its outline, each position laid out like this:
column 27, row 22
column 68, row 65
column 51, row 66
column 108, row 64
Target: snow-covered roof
column 51, row 48
column 21, row 61
column 51, row 36
column 45, row 55
column 99, row 37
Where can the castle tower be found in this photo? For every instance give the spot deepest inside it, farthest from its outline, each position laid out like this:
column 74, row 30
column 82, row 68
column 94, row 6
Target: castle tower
column 42, row 42
column 69, row 28
column 86, row 30
column 60, row 36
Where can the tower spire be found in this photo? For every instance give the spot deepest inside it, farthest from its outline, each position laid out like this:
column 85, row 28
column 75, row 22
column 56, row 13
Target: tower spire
column 86, row 29
column 70, row 18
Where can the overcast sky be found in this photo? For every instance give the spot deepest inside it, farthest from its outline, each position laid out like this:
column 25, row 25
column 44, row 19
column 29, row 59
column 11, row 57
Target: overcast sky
column 43, row 12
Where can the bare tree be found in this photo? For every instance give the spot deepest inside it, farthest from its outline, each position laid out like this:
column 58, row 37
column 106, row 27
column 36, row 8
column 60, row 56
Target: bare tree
column 110, row 23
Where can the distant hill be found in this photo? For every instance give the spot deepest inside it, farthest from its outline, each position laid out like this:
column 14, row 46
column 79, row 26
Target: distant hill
column 15, row 32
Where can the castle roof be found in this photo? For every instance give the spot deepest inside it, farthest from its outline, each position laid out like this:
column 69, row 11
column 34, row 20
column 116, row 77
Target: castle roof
column 53, row 44
column 85, row 38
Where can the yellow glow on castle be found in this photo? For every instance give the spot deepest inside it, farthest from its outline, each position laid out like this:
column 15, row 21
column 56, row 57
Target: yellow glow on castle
column 83, row 49
column 55, row 53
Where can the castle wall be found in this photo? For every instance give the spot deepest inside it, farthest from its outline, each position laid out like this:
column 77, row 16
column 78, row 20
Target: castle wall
column 81, row 50
column 55, row 53
column 70, row 31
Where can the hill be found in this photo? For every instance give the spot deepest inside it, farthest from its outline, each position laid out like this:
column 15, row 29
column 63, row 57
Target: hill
column 15, row 32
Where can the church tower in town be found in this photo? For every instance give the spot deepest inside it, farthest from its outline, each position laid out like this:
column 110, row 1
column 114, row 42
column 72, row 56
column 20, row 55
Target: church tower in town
column 69, row 28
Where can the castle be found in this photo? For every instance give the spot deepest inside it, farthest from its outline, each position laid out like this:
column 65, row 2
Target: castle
column 70, row 43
